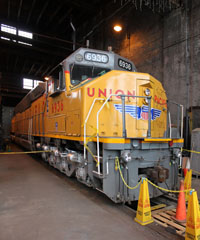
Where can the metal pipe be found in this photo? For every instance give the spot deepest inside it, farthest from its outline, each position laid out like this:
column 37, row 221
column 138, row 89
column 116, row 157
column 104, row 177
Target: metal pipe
column 123, row 117
column 73, row 36
column 178, row 120
column 170, row 129
column 149, row 117
column 181, row 121
column 167, row 120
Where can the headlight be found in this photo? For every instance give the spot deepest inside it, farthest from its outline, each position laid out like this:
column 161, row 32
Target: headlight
column 147, row 91
column 79, row 58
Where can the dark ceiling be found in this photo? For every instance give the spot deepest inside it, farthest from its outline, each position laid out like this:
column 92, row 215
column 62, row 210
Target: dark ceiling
column 49, row 21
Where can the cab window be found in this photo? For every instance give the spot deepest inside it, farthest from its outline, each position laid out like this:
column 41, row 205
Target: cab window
column 81, row 73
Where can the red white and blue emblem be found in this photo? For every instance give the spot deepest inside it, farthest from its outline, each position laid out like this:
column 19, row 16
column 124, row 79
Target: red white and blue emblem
column 139, row 112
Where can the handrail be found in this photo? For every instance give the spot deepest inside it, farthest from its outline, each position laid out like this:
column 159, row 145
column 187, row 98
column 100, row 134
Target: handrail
column 181, row 121
column 86, row 122
column 170, row 127
column 180, row 109
column 123, row 119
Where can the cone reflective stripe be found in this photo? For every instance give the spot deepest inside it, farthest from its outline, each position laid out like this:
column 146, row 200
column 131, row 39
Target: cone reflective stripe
column 188, row 164
column 143, row 215
column 193, row 217
column 181, row 207
column 187, row 167
column 188, row 183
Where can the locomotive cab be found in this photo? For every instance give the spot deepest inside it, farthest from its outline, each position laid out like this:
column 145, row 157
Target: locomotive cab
column 87, row 64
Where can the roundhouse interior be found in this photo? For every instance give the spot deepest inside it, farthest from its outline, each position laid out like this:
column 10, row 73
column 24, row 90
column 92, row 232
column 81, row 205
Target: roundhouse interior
column 108, row 106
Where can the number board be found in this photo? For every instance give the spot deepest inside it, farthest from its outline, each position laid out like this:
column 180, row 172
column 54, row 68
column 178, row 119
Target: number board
column 96, row 57
column 124, row 64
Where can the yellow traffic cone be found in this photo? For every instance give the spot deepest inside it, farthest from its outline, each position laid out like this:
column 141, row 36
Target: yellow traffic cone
column 193, row 217
column 143, row 215
column 188, row 183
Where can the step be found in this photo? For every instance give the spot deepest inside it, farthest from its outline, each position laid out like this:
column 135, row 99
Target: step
column 97, row 175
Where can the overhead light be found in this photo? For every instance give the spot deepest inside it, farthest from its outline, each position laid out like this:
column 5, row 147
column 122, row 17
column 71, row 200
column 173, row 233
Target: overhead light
column 117, row 28
column 46, row 78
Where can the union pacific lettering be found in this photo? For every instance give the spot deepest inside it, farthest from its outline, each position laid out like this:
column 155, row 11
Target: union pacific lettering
column 91, row 92
column 160, row 101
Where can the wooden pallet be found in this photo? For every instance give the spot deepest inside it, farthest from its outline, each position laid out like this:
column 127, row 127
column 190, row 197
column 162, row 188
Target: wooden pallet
column 165, row 218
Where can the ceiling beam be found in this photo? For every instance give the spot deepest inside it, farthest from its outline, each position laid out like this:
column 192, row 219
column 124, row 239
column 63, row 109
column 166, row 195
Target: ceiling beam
column 41, row 13
column 19, row 9
column 7, row 62
column 55, row 13
column 38, row 48
column 9, row 94
column 47, row 69
column 31, row 10
column 175, row 2
column 31, row 69
column 82, row 4
column 15, row 64
column 8, row 9
column 65, row 16
column 39, row 70
column 23, row 68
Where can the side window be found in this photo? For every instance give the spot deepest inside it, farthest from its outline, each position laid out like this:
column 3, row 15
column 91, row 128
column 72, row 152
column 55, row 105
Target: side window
column 61, row 79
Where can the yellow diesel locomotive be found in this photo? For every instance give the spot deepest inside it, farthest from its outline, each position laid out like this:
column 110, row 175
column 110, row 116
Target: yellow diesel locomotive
column 99, row 110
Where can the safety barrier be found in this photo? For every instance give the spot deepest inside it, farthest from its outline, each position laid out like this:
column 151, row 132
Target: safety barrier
column 143, row 215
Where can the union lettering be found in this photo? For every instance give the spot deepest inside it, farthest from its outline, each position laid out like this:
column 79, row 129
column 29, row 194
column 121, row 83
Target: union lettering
column 91, row 92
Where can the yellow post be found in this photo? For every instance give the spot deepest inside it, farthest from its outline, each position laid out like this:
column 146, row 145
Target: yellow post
column 188, row 183
column 143, row 215
column 193, row 217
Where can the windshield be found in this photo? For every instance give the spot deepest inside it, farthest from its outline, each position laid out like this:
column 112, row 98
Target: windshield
column 80, row 73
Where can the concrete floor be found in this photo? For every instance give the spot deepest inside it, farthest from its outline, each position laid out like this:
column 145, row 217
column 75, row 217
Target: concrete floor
column 38, row 203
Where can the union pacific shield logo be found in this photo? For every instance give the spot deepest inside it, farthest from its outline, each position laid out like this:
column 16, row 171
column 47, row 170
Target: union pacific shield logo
column 139, row 112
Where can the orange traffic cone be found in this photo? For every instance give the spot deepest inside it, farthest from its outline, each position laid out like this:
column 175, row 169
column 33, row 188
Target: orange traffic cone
column 181, row 207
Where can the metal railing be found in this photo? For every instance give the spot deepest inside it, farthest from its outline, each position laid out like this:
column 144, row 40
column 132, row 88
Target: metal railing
column 124, row 132
column 85, row 123
column 179, row 121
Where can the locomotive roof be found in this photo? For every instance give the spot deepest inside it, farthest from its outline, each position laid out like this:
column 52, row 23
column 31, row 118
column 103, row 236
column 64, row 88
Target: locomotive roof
column 30, row 97
column 83, row 56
